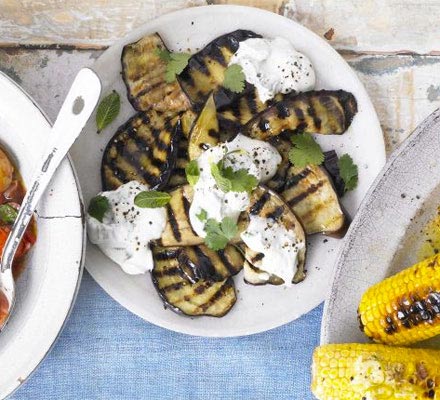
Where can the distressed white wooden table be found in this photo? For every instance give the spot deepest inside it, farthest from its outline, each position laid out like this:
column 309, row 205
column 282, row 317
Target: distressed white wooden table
column 392, row 45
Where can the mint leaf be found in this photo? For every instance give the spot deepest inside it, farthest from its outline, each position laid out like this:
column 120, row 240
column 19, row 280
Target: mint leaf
column 108, row 109
column 8, row 214
column 349, row 172
column 305, row 151
column 152, row 199
column 234, row 78
column 98, row 206
column 192, row 172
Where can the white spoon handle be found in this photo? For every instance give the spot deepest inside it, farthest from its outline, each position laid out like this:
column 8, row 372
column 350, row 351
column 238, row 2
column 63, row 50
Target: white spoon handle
column 75, row 111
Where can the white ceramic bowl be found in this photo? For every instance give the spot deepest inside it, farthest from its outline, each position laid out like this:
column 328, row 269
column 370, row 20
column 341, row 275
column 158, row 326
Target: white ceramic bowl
column 257, row 308
column 47, row 288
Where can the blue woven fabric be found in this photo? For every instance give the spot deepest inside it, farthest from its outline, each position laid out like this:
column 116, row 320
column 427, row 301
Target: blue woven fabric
column 107, row 353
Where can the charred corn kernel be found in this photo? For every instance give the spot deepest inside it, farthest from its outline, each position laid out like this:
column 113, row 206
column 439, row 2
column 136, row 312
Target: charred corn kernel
column 375, row 372
column 404, row 308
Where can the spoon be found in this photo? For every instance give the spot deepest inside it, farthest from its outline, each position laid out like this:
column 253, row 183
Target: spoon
column 75, row 111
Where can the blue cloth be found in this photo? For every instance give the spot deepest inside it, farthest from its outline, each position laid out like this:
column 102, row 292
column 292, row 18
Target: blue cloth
column 105, row 352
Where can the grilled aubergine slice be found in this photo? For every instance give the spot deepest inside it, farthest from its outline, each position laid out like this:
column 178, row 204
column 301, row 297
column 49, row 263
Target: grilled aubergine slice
column 178, row 230
column 182, row 291
column 309, row 192
column 328, row 112
column 178, row 175
column 283, row 145
column 205, row 132
column 267, row 204
column 142, row 149
column 205, row 70
column 143, row 72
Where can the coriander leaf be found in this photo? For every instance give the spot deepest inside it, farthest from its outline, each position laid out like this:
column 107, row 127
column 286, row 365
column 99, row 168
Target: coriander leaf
column 223, row 183
column 163, row 54
column 152, row 199
column 176, row 64
column 234, row 78
column 202, row 215
column 305, row 151
column 243, row 181
column 212, row 226
column 348, row 171
column 215, row 241
column 192, row 172
column 8, row 214
column 229, row 227
column 108, row 110
column 98, row 206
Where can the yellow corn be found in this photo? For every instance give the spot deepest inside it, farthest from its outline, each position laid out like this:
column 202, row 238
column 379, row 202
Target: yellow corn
column 404, row 308
column 375, row 372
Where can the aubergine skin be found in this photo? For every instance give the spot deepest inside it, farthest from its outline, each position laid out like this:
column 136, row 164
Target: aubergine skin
column 204, row 73
column 143, row 72
column 142, row 149
column 327, row 112
column 183, row 292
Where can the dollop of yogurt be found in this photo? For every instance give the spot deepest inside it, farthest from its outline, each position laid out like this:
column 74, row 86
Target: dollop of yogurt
column 279, row 245
column 126, row 230
column 259, row 158
column 274, row 66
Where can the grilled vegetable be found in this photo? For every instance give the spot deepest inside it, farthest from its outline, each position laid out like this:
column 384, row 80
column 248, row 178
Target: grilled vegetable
column 267, row 204
column 331, row 165
column 371, row 371
column 310, row 193
column 183, row 292
column 200, row 262
column 326, row 112
column 404, row 308
column 233, row 116
column 205, row 70
column 178, row 176
column 205, row 132
column 143, row 72
column 178, row 230
column 283, row 145
column 142, row 149
column 255, row 276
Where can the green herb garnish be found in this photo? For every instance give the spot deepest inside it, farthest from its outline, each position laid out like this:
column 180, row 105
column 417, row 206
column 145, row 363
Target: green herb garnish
column 218, row 234
column 234, row 78
column 202, row 215
column 176, row 63
column 108, row 110
column 8, row 214
column 98, row 206
column 192, row 172
column 348, row 171
column 229, row 180
column 152, row 199
column 305, row 151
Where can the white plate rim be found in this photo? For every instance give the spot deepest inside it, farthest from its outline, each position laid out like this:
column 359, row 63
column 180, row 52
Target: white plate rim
column 18, row 383
column 404, row 150
column 125, row 301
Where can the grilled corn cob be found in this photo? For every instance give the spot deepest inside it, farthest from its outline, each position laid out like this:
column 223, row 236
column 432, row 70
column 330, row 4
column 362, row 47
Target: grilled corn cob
column 374, row 371
column 404, row 308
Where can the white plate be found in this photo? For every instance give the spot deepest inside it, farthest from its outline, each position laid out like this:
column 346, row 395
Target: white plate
column 47, row 289
column 258, row 308
column 385, row 236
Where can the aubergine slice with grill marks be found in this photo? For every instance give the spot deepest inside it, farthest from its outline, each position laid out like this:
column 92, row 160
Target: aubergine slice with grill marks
column 205, row 70
column 142, row 149
column 266, row 203
column 183, row 292
column 178, row 175
column 283, row 145
column 205, row 132
column 178, row 230
column 310, row 193
column 143, row 72
column 328, row 112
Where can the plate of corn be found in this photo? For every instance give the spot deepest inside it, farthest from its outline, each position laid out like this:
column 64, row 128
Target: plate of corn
column 380, row 336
